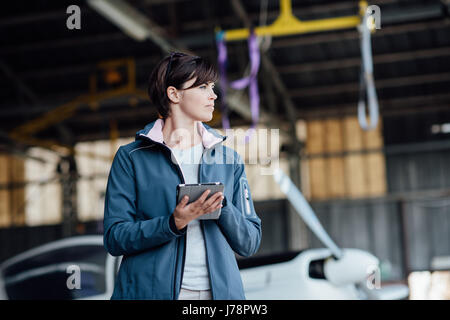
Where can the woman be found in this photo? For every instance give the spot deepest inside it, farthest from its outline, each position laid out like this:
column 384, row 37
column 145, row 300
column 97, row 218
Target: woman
column 167, row 252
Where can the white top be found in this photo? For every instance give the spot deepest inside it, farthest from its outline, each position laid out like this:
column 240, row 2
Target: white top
column 195, row 276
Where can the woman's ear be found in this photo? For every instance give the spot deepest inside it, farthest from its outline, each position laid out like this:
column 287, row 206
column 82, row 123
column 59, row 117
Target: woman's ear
column 173, row 94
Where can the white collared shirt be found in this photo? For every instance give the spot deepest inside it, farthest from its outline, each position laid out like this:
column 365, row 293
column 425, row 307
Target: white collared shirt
column 195, row 276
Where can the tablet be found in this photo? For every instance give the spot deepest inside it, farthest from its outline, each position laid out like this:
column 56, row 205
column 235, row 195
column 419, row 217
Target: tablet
column 194, row 191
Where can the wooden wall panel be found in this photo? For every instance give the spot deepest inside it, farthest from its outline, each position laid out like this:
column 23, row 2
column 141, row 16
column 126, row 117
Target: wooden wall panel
column 345, row 161
column 17, row 194
column 317, row 167
column 315, row 142
column 5, row 217
column 376, row 174
column 335, row 167
column 318, row 178
column 12, row 199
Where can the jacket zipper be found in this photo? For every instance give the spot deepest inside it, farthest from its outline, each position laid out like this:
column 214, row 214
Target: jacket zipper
column 180, row 172
column 203, row 232
column 178, row 244
column 203, row 227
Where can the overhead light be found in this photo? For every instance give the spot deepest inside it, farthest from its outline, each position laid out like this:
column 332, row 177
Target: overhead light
column 445, row 128
column 440, row 128
column 127, row 18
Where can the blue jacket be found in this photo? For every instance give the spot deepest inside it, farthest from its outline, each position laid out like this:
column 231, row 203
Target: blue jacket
column 138, row 221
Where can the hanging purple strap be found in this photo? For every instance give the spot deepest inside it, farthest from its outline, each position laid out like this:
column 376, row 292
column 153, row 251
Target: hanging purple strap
column 222, row 59
column 251, row 81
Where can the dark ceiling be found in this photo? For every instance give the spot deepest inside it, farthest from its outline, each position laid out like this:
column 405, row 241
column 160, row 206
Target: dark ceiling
column 44, row 65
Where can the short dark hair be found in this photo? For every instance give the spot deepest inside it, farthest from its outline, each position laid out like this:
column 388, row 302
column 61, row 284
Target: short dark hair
column 174, row 70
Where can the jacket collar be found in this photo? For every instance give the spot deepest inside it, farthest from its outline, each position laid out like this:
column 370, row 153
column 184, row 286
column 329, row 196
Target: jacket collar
column 153, row 131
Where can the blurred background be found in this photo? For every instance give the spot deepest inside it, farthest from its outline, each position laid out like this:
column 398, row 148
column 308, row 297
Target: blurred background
column 73, row 89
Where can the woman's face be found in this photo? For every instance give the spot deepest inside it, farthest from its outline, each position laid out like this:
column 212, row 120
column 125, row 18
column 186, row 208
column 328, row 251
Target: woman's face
column 197, row 103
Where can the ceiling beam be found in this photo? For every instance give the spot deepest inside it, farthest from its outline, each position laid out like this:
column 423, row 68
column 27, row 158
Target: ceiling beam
column 321, row 65
column 356, row 61
column 403, row 105
column 292, row 68
column 354, row 35
column 30, row 18
column 64, row 132
column 56, row 14
column 134, row 23
column 305, row 67
column 379, row 84
column 203, row 39
column 66, row 42
column 351, row 110
column 18, row 82
column 426, row 103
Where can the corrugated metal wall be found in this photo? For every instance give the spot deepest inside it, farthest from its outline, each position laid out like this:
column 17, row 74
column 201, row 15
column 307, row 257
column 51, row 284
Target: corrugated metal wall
column 424, row 170
column 274, row 224
column 428, row 225
column 418, row 162
column 369, row 225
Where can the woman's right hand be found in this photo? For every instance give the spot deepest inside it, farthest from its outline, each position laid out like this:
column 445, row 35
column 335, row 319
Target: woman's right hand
column 185, row 213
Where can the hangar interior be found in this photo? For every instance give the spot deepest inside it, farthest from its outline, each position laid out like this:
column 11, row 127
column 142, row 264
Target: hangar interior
column 69, row 97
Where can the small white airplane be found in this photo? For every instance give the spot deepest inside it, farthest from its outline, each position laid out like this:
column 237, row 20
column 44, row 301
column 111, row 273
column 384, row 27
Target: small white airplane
column 326, row 273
